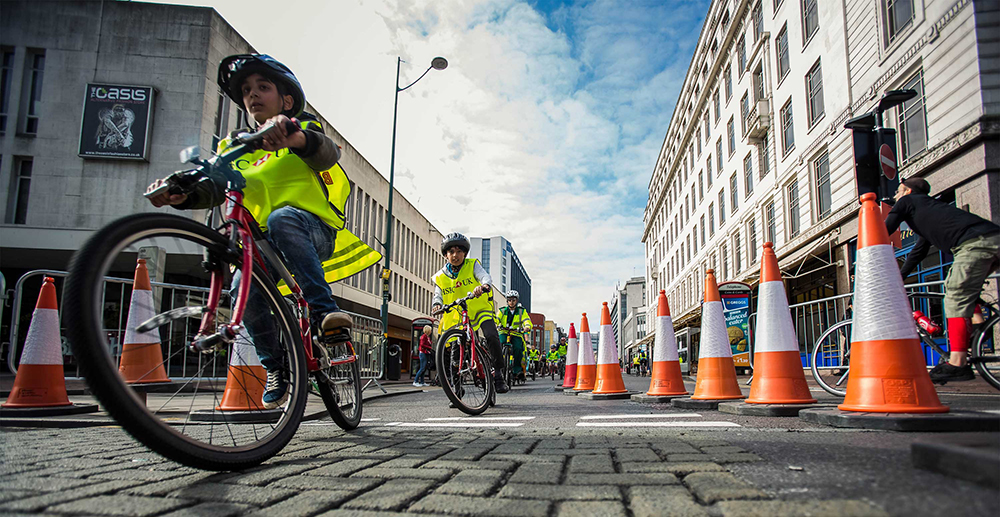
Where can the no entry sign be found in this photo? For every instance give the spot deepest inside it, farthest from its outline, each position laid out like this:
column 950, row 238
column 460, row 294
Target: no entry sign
column 887, row 160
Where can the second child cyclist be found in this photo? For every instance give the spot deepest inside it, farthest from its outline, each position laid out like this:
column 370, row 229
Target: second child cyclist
column 460, row 277
column 516, row 323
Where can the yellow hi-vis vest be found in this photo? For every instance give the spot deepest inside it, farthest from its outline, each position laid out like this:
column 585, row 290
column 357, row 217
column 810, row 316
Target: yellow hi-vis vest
column 480, row 309
column 520, row 325
column 279, row 179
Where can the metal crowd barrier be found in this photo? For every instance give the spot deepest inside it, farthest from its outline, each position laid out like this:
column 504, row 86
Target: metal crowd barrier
column 181, row 363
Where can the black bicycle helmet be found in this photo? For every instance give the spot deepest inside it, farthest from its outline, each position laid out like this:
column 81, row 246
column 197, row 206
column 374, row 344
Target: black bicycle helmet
column 455, row 239
column 234, row 69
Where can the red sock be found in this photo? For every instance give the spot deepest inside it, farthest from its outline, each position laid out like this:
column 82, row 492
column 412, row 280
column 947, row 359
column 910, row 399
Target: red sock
column 958, row 334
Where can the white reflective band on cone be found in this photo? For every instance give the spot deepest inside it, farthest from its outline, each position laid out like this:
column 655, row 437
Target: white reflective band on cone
column 607, row 351
column 665, row 344
column 775, row 332
column 571, row 351
column 586, row 349
column 881, row 309
column 43, row 345
column 140, row 310
column 714, row 334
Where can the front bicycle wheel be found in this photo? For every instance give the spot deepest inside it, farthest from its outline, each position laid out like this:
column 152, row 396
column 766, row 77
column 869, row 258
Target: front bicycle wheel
column 985, row 356
column 831, row 357
column 339, row 384
column 467, row 383
column 201, row 409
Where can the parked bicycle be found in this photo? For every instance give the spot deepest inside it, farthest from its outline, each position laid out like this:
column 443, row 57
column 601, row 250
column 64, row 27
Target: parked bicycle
column 464, row 364
column 831, row 354
column 183, row 420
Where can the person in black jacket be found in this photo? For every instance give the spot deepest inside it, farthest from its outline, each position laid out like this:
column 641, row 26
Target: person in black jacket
column 975, row 244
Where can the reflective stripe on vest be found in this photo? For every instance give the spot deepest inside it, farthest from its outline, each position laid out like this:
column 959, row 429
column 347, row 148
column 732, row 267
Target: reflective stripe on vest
column 517, row 325
column 480, row 309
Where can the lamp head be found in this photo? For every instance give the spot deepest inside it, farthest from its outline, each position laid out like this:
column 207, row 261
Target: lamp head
column 893, row 98
column 439, row 63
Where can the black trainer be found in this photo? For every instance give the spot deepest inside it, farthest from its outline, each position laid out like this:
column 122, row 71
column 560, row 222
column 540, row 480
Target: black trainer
column 500, row 384
column 946, row 372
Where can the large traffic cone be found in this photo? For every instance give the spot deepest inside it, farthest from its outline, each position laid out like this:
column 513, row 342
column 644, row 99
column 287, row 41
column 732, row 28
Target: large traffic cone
column 609, row 372
column 777, row 365
column 40, row 386
column 572, row 351
column 586, row 369
column 142, row 358
column 666, row 378
column 888, row 373
column 716, row 371
column 245, row 381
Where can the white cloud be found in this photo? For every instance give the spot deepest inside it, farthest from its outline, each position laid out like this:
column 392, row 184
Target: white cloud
column 542, row 129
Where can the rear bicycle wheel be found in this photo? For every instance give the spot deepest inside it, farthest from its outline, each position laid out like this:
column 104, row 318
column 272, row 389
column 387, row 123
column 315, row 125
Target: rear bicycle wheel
column 467, row 383
column 831, row 357
column 985, row 357
column 208, row 414
column 339, row 384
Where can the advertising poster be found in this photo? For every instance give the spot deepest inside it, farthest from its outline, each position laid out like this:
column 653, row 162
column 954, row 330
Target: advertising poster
column 116, row 121
column 736, row 304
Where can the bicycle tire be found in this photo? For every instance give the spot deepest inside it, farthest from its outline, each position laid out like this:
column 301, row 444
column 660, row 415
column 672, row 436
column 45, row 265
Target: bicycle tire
column 445, row 361
column 986, row 352
column 348, row 378
column 83, row 305
column 815, row 354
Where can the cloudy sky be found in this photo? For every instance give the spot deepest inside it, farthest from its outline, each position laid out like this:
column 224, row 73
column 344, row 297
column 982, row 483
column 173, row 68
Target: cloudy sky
column 544, row 128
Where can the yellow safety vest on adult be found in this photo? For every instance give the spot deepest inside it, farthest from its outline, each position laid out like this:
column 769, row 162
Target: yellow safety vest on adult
column 480, row 309
column 278, row 179
column 519, row 325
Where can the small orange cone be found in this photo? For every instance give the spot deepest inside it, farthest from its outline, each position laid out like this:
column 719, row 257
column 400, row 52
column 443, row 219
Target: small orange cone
column 666, row 377
column 778, row 376
column 246, row 378
column 40, row 381
column 609, row 372
column 572, row 351
column 888, row 373
column 142, row 358
column 586, row 370
column 716, row 371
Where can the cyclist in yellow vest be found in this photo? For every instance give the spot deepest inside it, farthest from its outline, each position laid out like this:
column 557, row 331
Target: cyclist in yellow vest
column 297, row 194
column 460, row 277
column 516, row 319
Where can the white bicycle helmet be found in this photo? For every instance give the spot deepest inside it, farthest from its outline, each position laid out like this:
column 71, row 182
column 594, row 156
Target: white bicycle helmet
column 513, row 294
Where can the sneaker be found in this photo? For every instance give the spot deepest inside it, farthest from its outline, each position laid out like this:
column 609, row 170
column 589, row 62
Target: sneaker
column 500, row 384
column 336, row 320
column 418, row 385
column 425, row 385
column 946, row 372
column 275, row 391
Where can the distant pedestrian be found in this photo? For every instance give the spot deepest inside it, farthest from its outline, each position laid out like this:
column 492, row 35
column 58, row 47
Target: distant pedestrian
column 425, row 350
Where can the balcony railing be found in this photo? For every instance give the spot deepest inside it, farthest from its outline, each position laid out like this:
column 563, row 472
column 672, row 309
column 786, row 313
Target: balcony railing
column 759, row 120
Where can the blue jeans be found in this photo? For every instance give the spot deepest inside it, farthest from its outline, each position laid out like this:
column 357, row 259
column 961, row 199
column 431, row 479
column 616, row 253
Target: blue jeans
column 303, row 242
column 424, row 358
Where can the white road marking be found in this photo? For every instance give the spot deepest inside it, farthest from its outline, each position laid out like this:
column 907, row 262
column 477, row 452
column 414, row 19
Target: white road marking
column 664, row 415
column 657, row 424
column 465, row 418
column 457, row 424
column 370, row 419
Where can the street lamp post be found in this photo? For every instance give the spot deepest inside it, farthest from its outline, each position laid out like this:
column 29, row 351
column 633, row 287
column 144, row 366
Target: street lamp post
column 438, row 63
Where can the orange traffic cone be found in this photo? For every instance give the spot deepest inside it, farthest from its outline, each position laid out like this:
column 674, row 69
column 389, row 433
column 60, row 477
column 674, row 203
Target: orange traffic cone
column 609, row 372
column 246, row 378
column 666, row 378
column 716, row 371
column 572, row 351
column 888, row 374
column 40, row 380
column 778, row 377
column 586, row 369
column 142, row 358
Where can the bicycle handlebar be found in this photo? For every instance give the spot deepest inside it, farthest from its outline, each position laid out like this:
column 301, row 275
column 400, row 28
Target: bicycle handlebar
column 461, row 301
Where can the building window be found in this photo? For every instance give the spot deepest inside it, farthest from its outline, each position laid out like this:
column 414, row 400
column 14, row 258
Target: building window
column 781, row 49
column 737, row 253
column 734, row 193
column 758, row 21
column 6, row 76
column 741, row 55
column 711, row 220
column 724, row 262
column 697, row 142
column 718, row 155
column 17, row 209
column 814, row 93
column 718, row 107
column 765, row 156
column 708, row 129
column 821, row 166
column 744, row 112
column 769, row 223
column 913, row 119
column 810, row 19
column 898, row 16
column 722, row 207
column 729, row 82
column 793, row 209
column 37, row 62
column 748, row 176
column 731, row 133
column 787, row 128
column 702, row 230
column 221, row 117
column 751, row 241
column 486, row 254
column 701, row 184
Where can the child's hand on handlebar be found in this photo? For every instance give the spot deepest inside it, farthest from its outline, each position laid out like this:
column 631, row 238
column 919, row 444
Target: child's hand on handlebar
column 479, row 290
column 279, row 137
column 165, row 197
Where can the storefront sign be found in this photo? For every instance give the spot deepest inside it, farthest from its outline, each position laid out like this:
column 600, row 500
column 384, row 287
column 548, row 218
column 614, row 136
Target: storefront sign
column 736, row 304
column 116, row 122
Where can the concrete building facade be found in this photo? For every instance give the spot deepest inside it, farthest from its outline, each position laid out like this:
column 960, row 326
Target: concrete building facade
column 756, row 150
column 624, row 301
column 499, row 259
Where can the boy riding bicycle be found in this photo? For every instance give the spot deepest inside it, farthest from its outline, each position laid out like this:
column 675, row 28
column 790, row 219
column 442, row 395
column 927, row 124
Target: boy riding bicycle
column 295, row 192
column 515, row 322
column 459, row 277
